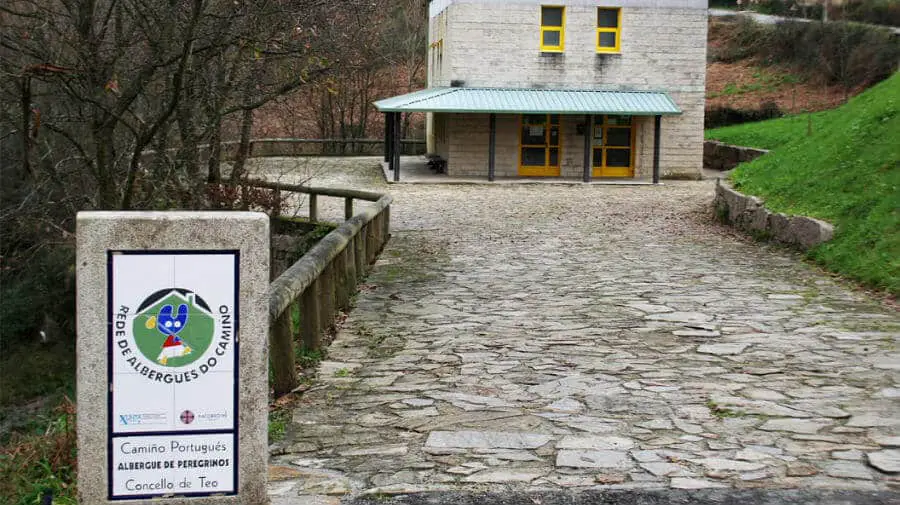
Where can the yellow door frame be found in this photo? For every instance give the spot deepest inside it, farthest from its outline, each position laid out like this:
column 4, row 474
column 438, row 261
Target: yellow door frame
column 603, row 170
column 547, row 170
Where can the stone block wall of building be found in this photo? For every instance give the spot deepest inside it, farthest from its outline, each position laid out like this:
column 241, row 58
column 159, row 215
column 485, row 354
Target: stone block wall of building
column 489, row 43
column 465, row 145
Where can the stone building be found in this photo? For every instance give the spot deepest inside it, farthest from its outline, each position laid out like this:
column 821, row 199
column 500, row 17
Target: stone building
column 567, row 88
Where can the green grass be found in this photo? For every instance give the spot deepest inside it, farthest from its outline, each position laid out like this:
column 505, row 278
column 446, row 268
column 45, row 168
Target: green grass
column 763, row 80
column 846, row 172
column 279, row 418
column 773, row 133
column 41, row 460
column 722, row 412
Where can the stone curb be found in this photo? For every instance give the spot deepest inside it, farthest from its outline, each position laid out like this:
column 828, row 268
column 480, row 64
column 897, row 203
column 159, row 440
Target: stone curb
column 749, row 214
column 643, row 497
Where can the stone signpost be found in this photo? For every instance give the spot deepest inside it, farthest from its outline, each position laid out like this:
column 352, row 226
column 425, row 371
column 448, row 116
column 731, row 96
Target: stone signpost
column 172, row 357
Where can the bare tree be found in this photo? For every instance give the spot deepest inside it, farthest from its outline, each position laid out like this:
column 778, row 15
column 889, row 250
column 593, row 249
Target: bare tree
column 108, row 104
column 405, row 45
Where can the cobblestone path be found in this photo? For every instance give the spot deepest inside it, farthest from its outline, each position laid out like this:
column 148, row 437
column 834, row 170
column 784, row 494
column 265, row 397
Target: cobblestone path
column 526, row 337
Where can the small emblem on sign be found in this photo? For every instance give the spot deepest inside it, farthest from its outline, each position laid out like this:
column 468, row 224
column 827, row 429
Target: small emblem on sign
column 187, row 417
column 173, row 327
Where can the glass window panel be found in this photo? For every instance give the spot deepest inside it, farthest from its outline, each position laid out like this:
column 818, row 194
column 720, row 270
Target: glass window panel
column 598, row 157
column 551, row 16
column 598, row 136
column 533, row 135
column 533, row 156
column 607, row 18
column 554, row 157
column 606, row 39
column 534, row 119
column 554, row 118
column 618, row 137
column 618, row 157
column 554, row 135
column 551, row 38
column 618, row 120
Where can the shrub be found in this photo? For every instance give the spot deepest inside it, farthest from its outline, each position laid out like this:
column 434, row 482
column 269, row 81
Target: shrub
column 837, row 52
column 725, row 116
column 842, row 53
column 43, row 461
column 743, row 38
column 37, row 295
column 774, row 7
column 878, row 12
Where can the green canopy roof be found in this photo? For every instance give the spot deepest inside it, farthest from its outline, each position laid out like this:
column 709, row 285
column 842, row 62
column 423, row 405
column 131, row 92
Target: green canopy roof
column 531, row 101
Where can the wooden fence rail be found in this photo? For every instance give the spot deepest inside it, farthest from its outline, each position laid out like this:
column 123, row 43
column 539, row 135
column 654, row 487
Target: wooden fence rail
column 321, row 147
column 324, row 279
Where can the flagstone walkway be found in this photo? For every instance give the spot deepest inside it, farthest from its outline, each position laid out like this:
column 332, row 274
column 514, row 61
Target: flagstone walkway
column 592, row 337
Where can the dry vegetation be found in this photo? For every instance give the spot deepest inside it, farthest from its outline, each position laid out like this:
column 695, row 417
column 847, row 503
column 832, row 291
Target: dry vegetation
column 758, row 72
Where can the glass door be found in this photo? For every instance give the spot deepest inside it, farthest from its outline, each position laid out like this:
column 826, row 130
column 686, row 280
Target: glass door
column 613, row 145
column 539, row 145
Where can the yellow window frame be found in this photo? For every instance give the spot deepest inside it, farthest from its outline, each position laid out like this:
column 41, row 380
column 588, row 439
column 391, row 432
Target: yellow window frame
column 605, row 171
column 617, row 30
column 558, row 29
column 547, row 170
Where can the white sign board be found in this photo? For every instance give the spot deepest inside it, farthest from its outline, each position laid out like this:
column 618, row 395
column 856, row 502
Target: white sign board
column 173, row 373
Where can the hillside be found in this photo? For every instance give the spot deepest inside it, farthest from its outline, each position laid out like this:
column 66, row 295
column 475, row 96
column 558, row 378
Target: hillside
column 846, row 172
column 746, row 84
column 738, row 79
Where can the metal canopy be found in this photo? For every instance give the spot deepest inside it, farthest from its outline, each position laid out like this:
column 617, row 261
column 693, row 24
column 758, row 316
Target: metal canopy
column 531, row 101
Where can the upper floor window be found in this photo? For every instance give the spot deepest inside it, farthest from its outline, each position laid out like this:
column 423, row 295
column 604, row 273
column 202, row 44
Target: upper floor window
column 609, row 29
column 552, row 32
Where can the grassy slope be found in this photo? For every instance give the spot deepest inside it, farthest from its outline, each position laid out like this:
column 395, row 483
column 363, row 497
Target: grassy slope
column 770, row 134
column 847, row 172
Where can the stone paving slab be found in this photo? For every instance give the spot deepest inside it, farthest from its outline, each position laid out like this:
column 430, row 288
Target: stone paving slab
column 578, row 339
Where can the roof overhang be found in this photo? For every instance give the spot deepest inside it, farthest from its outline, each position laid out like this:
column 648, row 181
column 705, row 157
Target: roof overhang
column 531, row 101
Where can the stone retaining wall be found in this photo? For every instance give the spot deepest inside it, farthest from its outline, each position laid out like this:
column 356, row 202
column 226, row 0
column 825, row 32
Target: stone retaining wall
column 748, row 213
column 720, row 156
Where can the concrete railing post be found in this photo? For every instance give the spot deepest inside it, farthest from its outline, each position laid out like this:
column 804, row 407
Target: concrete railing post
column 310, row 325
column 276, row 203
column 326, row 297
column 371, row 239
column 386, row 224
column 350, row 274
column 341, row 292
column 281, row 354
column 359, row 245
column 348, row 208
column 379, row 231
column 313, row 208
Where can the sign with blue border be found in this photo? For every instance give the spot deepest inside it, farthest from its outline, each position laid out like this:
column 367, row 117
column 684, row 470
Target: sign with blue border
column 173, row 373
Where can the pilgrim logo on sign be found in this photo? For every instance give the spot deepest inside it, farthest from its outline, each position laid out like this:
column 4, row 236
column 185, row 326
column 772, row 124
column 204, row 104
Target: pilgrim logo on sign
column 173, row 327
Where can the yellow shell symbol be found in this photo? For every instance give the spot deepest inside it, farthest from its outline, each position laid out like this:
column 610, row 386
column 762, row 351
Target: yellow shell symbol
column 151, row 322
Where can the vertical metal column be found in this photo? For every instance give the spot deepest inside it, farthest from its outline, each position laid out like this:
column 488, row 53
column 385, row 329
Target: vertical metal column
column 387, row 137
column 492, row 147
column 588, row 155
column 396, row 150
column 657, row 120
